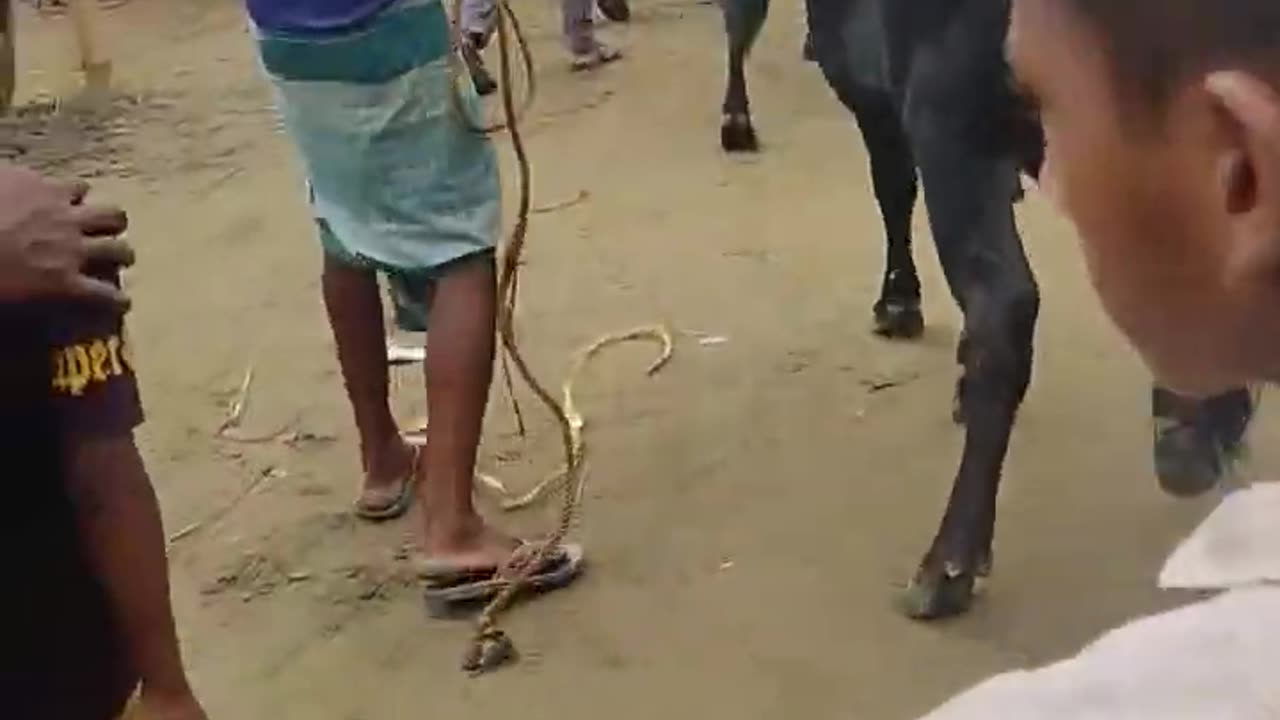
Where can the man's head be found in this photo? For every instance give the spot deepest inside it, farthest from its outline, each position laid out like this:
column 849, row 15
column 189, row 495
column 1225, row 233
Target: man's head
column 1162, row 120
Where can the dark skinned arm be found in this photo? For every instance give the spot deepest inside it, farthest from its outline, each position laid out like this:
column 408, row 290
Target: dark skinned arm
column 120, row 526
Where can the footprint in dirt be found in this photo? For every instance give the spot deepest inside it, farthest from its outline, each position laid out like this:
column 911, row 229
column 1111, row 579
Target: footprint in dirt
column 256, row 576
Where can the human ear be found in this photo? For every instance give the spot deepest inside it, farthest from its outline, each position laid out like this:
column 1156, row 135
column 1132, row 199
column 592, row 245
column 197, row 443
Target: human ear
column 1249, row 169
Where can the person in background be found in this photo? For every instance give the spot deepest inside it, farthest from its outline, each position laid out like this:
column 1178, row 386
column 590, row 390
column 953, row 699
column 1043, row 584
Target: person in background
column 1162, row 128
column 578, row 17
column 477, row 19
column 89, row 618
column 401, row 186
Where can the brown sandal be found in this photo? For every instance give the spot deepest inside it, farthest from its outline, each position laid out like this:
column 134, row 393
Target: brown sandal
column 448, row 586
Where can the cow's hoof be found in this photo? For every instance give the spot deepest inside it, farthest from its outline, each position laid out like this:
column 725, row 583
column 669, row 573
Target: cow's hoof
column 737, row 135
column 898, row 319
column 484, row 83
column 1198, row 442
column 938, row 592
column 810, row 55
column 618, row 11
column 481, row 80
column 1185, row 465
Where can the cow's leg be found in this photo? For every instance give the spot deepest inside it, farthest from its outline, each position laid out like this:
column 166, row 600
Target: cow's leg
column 893, row 173
column 742, row 20
column 969, row 189
column 849, row 46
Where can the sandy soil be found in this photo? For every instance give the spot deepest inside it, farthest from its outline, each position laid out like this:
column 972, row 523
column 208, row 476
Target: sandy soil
column 751, row 509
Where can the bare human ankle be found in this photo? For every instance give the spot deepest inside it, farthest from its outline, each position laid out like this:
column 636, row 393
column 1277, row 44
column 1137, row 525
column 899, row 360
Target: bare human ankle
column 467, row 535
column 392, row 462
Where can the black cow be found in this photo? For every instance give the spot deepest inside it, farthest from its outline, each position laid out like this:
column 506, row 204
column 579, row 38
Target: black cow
column 928, row 84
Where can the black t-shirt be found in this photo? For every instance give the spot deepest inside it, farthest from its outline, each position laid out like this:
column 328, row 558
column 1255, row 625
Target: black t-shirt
column 65, row 369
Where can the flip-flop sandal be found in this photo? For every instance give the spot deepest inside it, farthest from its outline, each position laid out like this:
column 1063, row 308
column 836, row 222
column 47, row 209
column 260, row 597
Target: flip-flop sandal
column 447, row 587
column 601, row 55
column 399, row 505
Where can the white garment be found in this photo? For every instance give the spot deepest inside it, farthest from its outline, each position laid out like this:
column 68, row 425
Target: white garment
column 1218, row 659
column 1237, row 546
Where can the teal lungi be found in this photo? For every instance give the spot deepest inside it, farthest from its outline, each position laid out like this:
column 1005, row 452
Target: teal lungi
column 399, row 182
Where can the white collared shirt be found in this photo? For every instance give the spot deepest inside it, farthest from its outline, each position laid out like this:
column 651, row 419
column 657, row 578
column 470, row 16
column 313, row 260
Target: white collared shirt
column 1217, row 659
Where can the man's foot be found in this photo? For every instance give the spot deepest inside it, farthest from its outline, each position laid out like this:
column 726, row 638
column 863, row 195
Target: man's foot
column 388, row 488
column 600, row 54
column 449, row 587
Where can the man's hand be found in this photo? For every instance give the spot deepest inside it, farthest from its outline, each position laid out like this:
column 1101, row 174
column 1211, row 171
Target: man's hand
column 49, row 240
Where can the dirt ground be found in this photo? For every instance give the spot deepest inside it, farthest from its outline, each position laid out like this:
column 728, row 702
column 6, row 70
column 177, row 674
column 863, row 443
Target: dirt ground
column 751, row 509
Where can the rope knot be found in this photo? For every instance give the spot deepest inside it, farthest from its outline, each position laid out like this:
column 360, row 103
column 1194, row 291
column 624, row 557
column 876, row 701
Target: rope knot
column 489, row 650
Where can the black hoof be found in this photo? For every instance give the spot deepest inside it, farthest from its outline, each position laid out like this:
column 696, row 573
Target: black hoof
column 936, row 593
column 737, row 135
column 898, row 319
column 618, row 11
column 1197, row 442
column 480, row 77
column 484, row 83
column 1186, row 466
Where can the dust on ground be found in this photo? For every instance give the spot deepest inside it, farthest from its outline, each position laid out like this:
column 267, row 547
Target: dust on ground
column 750, row 510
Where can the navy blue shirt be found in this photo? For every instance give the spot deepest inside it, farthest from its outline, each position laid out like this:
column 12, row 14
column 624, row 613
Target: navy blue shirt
column 66, row 372
column 313, row 15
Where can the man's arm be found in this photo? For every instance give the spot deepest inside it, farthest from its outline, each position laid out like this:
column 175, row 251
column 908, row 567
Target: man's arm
column 116, row 509
column 120, row 526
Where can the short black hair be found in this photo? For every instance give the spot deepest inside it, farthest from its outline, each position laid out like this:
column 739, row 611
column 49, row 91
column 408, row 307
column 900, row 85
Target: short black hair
column 1157, row 45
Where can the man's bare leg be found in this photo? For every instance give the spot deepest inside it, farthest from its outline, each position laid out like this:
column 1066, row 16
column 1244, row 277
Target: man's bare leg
column 459, row 369
column 120, row 527
column 355, row 314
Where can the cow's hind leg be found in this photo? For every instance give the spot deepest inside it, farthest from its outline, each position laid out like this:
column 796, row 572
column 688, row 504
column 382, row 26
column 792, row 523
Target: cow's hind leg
column 893, row 173
column 742, row 20
column 969, row 189
column 1198, row 440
